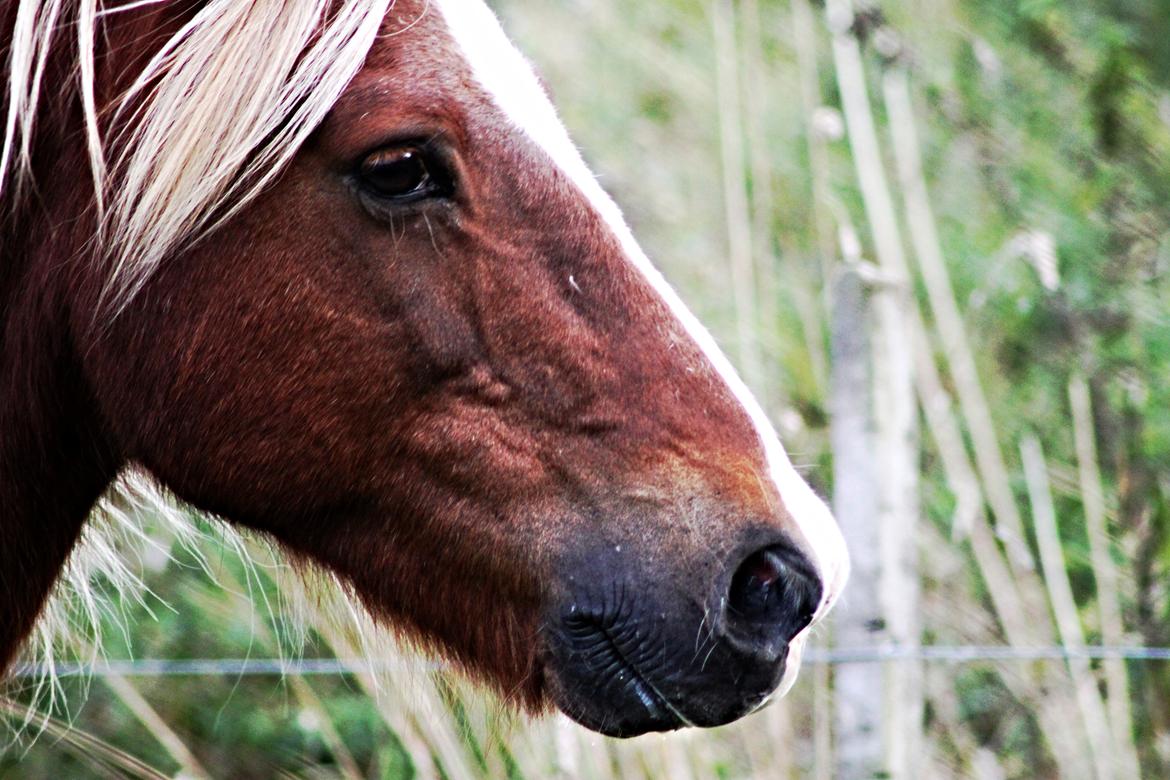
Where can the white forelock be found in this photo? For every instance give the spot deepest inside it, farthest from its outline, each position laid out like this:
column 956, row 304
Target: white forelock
column 214, row 115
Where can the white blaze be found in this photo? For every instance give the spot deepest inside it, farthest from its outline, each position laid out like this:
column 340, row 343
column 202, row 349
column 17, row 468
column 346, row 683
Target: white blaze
column 506, row 75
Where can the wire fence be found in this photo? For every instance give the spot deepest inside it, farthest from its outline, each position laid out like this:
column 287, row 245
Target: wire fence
column 240, row 667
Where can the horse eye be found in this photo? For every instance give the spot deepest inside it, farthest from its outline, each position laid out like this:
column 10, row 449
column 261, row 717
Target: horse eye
column 400, row 175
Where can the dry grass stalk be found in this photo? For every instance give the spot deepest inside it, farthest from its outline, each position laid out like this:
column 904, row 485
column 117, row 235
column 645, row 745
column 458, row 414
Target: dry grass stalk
column 1012, row 609
column 1064, row 607
column 308, row 698
column 104, row 758
column 1018, row 595
column 804, row 41
column 754, row 99
column 153, row 722
column 949, row 322
column 1043, row 693
column 947, row 724
column 735, row 197
column 1105, row 573
column 413, row 708
column 822, row 759
column 781, row 270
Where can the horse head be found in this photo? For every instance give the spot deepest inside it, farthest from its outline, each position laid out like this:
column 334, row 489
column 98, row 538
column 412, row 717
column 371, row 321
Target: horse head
column 417, row 345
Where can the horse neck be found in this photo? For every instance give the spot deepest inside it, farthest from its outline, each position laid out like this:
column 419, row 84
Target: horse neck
column 55, row 460
column 53, row 465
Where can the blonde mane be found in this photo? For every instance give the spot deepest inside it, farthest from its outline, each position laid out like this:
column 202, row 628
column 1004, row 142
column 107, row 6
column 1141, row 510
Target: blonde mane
column 212, row 117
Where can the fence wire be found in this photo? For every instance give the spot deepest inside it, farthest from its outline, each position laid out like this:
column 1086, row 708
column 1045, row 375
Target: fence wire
column 241, row 667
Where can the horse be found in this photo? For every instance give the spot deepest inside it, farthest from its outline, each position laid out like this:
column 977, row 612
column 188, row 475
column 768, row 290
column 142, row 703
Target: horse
column 333, row 271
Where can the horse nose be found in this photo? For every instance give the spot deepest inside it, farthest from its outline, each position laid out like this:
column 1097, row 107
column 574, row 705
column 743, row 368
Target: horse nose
column 773, row 596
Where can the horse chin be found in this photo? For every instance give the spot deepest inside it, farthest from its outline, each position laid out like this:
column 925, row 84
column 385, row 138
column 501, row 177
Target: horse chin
column 623, row 670
column 643, row 711
column 619, row 698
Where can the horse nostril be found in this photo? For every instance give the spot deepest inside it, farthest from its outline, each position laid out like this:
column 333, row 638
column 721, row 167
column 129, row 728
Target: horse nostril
column 773, row 596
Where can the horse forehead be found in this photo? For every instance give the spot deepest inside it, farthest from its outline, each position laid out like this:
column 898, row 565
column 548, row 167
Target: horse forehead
column 417, row 70
column 414, row 55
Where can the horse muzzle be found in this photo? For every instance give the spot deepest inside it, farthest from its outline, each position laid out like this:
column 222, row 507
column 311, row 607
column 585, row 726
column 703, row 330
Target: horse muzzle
column 626, row 653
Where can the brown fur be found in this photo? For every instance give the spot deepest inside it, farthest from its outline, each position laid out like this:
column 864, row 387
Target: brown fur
column 425, row 405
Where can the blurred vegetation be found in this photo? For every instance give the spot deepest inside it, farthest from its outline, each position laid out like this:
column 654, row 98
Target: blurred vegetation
column 1045, row 129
